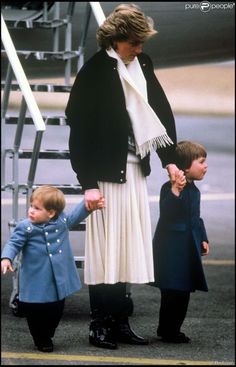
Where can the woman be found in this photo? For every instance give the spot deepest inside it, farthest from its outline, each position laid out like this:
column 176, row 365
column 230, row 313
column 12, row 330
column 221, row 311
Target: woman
column 118, row 113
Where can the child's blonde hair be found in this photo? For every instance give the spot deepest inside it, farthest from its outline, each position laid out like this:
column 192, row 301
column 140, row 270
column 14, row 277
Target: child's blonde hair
column 50, row 197
column 186, row 152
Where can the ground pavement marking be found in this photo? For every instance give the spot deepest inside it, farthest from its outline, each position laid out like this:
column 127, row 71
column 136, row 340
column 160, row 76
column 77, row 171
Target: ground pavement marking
column 218, row 262
column 99, row 359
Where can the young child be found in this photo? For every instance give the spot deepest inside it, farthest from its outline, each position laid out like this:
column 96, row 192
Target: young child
column 179, row 242
column 48, row 272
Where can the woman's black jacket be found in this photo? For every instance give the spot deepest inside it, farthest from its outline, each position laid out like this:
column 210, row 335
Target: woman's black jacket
column 99, row 122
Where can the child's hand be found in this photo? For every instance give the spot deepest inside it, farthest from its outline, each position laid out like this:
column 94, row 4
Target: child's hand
column 179, row 182
column 101, row 203
column 205, row 248
column 6, row 265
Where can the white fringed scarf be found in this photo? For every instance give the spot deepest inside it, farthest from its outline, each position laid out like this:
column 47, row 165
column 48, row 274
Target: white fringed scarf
column 148, row 130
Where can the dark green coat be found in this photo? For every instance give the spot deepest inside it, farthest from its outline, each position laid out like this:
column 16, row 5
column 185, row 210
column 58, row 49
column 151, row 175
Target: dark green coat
column 177, row 241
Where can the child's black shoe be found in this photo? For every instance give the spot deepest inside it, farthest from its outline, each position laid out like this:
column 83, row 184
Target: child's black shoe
column 45, row 346
column 179, row 338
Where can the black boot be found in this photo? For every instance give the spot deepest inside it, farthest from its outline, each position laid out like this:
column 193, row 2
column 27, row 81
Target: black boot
column 129, row 304
column 100, row 334
column 124, row 333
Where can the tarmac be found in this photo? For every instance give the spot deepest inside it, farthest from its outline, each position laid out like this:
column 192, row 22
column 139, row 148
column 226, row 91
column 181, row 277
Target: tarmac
column 210, row 321
column 209, row 324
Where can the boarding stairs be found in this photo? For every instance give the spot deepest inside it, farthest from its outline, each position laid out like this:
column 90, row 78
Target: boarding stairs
column 47, row 17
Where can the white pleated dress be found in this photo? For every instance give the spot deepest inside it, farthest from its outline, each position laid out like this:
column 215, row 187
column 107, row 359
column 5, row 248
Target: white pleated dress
column 118, row 243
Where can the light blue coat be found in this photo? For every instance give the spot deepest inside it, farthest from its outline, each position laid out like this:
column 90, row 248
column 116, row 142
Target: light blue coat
column 48, row 272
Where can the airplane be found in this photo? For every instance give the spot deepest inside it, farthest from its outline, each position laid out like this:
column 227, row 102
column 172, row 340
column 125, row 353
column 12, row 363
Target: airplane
column 188, row 32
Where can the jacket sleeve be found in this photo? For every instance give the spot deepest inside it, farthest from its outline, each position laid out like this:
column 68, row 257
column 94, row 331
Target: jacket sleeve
column 77, row 215
column 81, row 117
column 203, row 231
column 171, row 206
column 16, row 243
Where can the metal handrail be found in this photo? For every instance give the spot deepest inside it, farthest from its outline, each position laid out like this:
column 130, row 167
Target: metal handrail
column 29, row 101
column 94, row 7
column 98, row 12
column 84, row 36
column 21, row 78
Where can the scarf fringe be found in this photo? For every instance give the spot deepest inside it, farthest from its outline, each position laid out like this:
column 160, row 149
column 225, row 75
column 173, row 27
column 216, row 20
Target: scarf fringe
column 157, row 142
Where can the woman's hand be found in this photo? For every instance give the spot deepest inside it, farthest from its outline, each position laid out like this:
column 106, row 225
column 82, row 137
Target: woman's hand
column 172, row 169
column 174, row 174
column 93, row 199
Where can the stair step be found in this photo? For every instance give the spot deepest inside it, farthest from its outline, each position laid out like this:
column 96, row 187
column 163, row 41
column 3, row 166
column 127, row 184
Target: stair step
column 79, row 261
column 80, row 227
column 45, row 154
column 16, row 15
column 52, row 88
column 46, row 55
column 17, row 11
column 67, row 189
column 49, row 120
column 33, row 24
column 10, row 186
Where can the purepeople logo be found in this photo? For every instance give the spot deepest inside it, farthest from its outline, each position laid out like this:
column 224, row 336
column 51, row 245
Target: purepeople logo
column 205, row 6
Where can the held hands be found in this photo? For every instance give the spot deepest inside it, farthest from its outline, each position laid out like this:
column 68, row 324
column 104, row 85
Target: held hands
column 94, row 199
column 179, row 182
column 172, row 169
column 177, row 178
column 6, row 265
